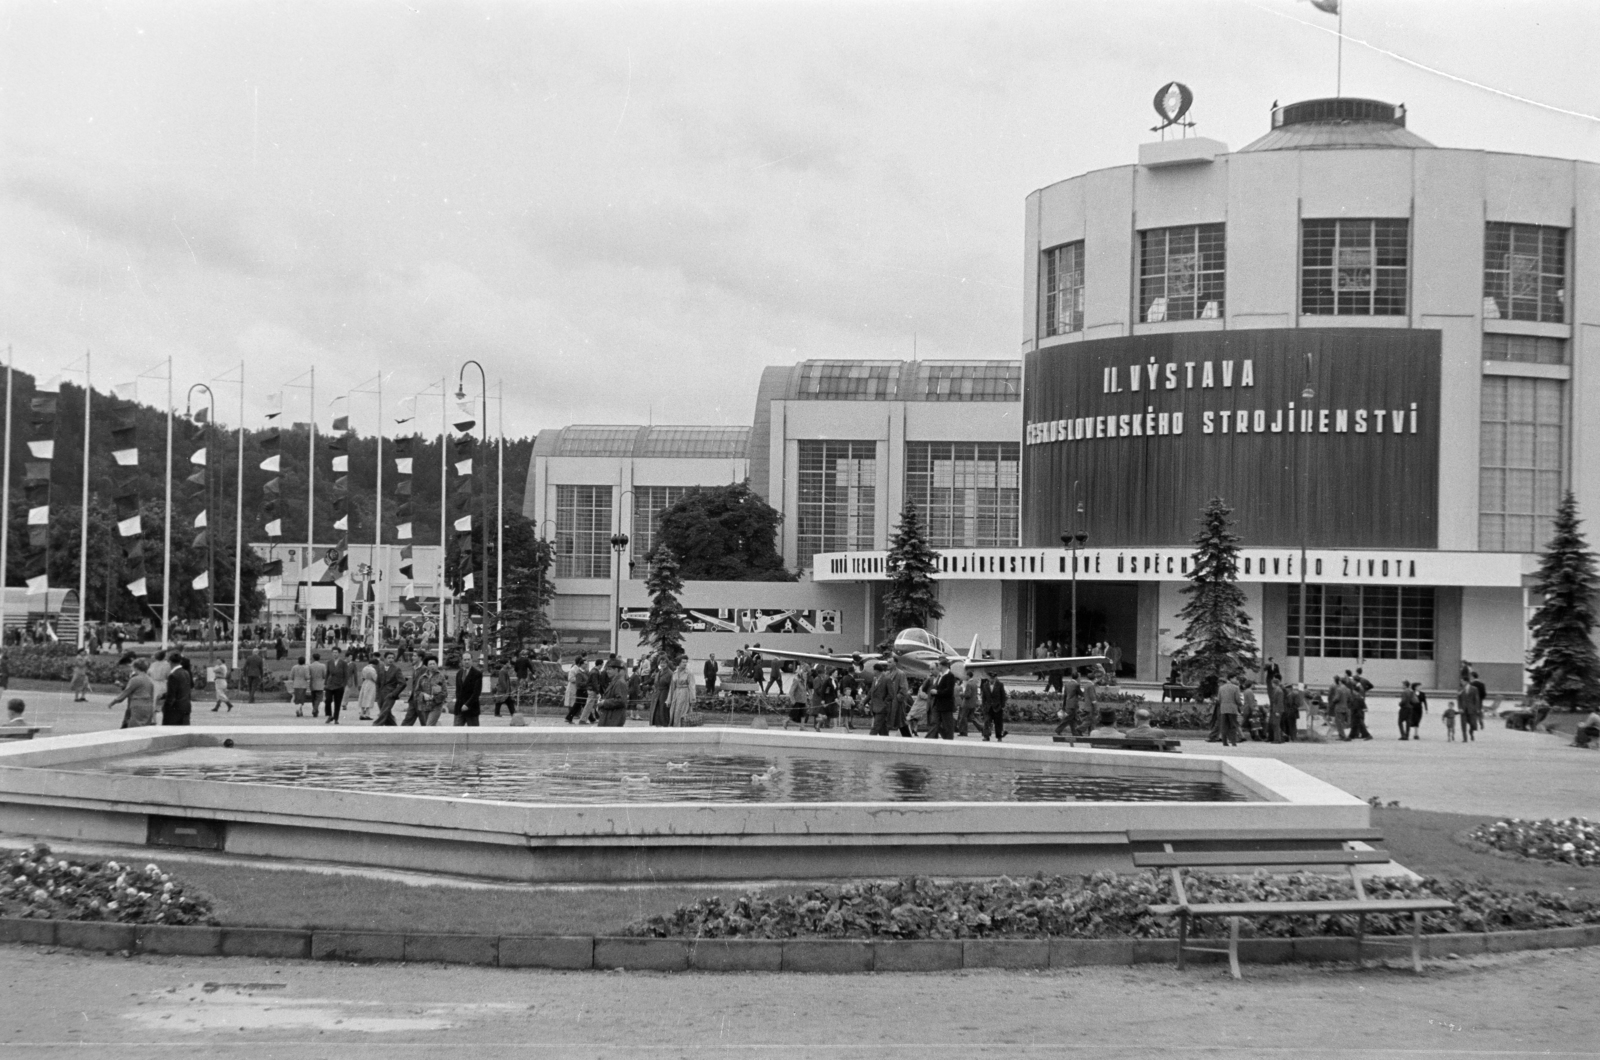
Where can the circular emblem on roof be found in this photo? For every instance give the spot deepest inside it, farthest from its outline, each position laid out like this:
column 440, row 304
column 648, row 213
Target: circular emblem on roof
column 1172, row 102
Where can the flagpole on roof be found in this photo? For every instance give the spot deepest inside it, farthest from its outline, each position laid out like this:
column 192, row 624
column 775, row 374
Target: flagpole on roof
column 83, row 513
column 5, row 503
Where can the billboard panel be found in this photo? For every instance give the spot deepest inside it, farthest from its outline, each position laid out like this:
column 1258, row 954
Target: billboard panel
column 1142, row 431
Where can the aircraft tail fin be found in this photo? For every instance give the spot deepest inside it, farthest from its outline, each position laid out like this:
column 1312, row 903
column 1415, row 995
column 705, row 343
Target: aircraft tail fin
column 976, row 652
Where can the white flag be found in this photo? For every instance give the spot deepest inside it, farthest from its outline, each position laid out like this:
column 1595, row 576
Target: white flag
column 402, row 464
column 198, row 457
column 128, row 527
column 341, row 464
column 272, row 463
column 275, row 528
column 39, row 516
column 403, row 531
column 138, row 588
column 38, row 586
column 44, row 450
column 410, row 591
column 126, row 391
column 464, row 524
column 203, row 581
column 405, row 410
column 343, row 523
column 466, row 583
column 48, row 386
column 274, row 405
column 126, row 457
column 200, row 521
column 464, row 467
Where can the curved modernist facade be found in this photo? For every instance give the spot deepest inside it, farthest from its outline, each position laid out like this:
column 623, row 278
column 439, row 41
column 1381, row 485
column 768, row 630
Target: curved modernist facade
column 1373, row 348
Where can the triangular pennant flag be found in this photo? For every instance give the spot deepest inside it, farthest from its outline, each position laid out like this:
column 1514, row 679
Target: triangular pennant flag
column 275, row 528
column 341, row 464
column 198, row 457
column 38, row 494
column 403, row 465
column 467, row 407
column 43, row 450
column 272, row 463
column 126, row 457
column 128, row 527
column 341, row 423
column 197, row 479
column 270, row 440
column 273, row 569
column 138, row 588
column 203, row 581
column 403, row 488
column 202, row 416
column 464, row 467
column 463, row 525
column 467, row 583
column 272, row 486
column 274, row 405
column 343, row 523
column 406, row 410
column 339, row 443
column 200, row 521
column 36, row 471
column 405, row 446
column 44, row 405
column 405, row 551
column 201, row 538
column 39, row 586
column 403, row 531
column 410, row 591
column 314, row 572
column 463, row 426
column 342, row 483
column 39, row 516
column 48, row 386
column 126, row 391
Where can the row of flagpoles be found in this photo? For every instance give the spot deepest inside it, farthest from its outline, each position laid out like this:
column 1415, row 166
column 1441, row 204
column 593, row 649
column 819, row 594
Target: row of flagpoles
column 456, row 504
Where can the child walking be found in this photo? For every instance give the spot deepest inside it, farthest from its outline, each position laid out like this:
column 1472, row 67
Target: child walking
column 1450, row 713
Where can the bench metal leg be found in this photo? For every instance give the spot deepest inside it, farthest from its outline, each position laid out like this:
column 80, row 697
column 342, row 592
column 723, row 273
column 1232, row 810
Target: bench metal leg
column 1361, row 934
column 1183, row 937
column 1233, row 946
column 1416, row 942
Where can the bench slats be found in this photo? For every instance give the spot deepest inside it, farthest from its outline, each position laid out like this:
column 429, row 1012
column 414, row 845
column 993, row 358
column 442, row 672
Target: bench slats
column 1202, row 858
column 1398, row 905
column 1240, row 835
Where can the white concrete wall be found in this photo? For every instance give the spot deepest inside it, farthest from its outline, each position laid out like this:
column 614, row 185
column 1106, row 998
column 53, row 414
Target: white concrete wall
column 971, row 609
column 1492, row 625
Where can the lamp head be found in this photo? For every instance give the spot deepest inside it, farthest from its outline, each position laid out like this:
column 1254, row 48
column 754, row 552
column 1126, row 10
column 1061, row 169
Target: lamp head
column 461, row 391
column 619, row 541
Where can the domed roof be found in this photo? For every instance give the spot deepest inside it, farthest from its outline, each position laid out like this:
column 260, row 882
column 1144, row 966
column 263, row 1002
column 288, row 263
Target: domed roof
column 1326, row 124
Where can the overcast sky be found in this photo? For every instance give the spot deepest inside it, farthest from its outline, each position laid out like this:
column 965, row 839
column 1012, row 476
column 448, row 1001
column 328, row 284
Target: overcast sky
column 623, row 210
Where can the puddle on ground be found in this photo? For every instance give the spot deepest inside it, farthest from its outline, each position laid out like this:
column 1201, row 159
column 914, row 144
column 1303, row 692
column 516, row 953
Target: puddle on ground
column 200, row 1007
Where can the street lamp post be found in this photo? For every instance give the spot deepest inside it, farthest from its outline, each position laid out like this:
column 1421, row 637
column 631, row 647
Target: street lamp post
column 619, row 542
column 1074, row 540
column 1306, row 395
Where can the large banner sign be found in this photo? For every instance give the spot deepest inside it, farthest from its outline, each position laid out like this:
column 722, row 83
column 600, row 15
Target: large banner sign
column 1142, row 431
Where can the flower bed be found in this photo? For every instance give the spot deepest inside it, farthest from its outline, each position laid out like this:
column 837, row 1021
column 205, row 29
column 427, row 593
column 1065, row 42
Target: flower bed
column 36, row 884
column 1104, row 905
column 1574, row 841
column 53, row 662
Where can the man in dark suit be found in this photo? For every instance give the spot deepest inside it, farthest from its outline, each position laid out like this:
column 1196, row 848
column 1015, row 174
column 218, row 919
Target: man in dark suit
column 391, row 686
column 469, row 691
column 180, row 686
column 942, row 704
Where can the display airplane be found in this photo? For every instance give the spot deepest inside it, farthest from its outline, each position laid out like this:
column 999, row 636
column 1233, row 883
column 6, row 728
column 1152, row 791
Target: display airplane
column 917, row 652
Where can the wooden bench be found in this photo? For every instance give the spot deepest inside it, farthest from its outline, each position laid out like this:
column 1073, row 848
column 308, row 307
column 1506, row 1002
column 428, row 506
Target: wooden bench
column 22, row 732
column 1121, row 743
column 1344, row 855
column 1179, row 693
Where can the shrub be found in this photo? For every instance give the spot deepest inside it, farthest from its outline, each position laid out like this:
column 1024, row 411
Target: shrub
column 1574, row 841
column 34, row 883
column 1104, row 905
column 53, row 662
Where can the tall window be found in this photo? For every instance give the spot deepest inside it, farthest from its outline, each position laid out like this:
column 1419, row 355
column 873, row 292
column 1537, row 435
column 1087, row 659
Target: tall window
column 1181, row 272
column 966, row 491
column 838, row 498
column 1525, row 272
column 1522, row 461
column 1061, row 281
column 583, row 532
column 1362, row 622
column 648, row 504
column 1353, row 268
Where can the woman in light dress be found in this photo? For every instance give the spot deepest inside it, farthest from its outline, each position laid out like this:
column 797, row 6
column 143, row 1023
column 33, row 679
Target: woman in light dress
column 367, row 698
column 80, row 676
column 680, row 697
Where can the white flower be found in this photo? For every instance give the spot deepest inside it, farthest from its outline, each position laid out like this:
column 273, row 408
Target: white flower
column 111, row 905
column 112, row 866
column 1568, row 847
column 152, row 870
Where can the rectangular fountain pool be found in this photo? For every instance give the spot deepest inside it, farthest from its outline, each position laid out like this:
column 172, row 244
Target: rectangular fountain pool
column 644, row 804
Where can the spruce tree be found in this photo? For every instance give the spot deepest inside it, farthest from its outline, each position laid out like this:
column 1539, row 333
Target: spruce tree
column 1217, row 640
column 912, row 599
column 1562, row 664
column 665, row 627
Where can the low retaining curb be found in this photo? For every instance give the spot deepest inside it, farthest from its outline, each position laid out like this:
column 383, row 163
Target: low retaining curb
column 832, row 956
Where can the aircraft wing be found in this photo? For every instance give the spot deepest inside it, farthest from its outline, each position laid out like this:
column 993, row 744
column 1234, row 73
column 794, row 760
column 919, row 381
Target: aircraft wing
column 1032, row 666
column 839, row 662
